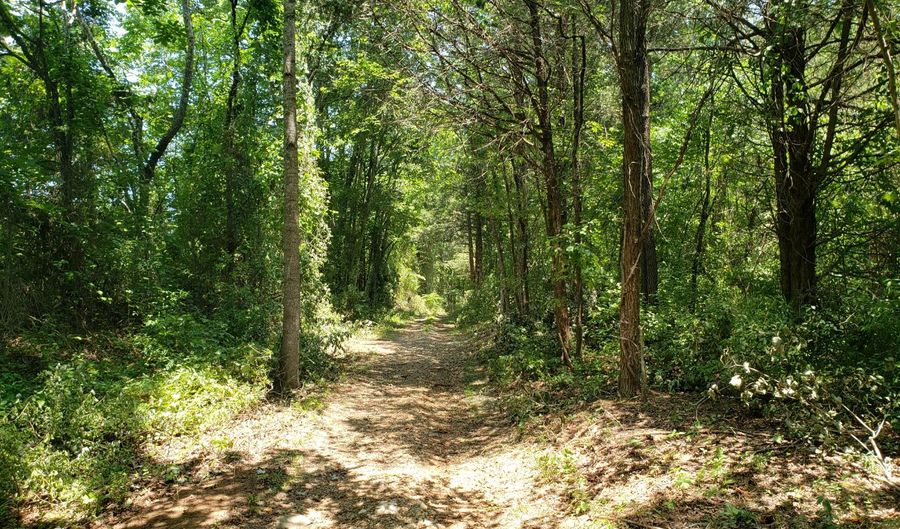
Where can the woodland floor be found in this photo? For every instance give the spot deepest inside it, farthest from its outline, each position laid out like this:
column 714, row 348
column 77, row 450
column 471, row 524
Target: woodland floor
column 412, row 438
column 398, row 443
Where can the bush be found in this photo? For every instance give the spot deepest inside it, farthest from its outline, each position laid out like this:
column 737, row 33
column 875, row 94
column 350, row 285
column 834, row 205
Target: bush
column 10, row 467
column 526, row 363
column 821, row 375
column 73, row 441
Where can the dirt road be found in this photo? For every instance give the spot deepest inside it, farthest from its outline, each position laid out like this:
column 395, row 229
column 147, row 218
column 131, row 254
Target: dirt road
column 402, row 441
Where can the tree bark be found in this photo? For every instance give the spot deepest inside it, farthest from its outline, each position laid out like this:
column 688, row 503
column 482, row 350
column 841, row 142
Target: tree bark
column 796, row 182
column 649, row 263
column 549, row 168
column 524, row 238
column 514, row 251
column 235, row 164
column 634, row 80
column 501, row 266
column 57, row 81
column 579, row 69
column 479, row 249
column 649, row 266
column 289, row 359
column 471, row 246
column 700, row 244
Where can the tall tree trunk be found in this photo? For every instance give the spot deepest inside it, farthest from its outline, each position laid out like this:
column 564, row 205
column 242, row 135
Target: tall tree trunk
column 73, row 184
column 518, row 280
column 235, row 163
column 796, row 181
column 289, row 359
column 501, row 266
column 554, row 201
column 700, row 244
column 471, row 246
column 649, row 266
column 634, row 80
column 479, row 248
column 579, row 69
column 524, row 238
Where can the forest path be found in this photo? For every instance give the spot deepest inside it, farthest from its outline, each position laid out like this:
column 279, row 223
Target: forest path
column 402, row 441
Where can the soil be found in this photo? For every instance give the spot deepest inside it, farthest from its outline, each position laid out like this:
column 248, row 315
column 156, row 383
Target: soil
column 411, row 437
column 399, row 442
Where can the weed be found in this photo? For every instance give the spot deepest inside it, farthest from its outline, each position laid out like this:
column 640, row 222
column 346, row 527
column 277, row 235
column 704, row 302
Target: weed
column 682, row 478
column 733, row 517
column 562, row 468
column 72, row 436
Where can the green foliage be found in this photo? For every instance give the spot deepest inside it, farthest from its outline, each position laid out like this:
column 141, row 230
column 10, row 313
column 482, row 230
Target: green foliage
column 74, row 441
column 408, row 300
column 135, row 306
column 733, row 517
column 11, row 442
column 475, row 306
column 815, row 375
column 562, row 469
column 684, row 348
column 526, row 364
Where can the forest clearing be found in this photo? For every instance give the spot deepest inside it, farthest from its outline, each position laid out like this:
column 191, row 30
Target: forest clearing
column 513, row 264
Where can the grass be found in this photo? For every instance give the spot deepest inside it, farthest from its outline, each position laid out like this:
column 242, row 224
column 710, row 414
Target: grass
column 562, row 467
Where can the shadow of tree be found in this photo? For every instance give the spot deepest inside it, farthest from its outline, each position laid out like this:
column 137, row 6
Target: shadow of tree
column 422, row 406
column 715, row 513
column 304, row 489
column 665, row 463
column 389, row 436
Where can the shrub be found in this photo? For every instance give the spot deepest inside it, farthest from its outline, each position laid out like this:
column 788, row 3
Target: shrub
column 73, row 441
column 824, row 375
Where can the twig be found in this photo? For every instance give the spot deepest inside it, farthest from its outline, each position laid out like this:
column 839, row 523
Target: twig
column 872, row 445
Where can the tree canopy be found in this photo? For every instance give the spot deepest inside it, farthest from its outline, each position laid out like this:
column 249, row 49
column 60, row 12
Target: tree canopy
column 651, row 195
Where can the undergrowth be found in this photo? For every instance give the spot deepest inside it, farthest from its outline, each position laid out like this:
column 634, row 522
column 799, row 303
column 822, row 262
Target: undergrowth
column 831, row 377
column 79, row 415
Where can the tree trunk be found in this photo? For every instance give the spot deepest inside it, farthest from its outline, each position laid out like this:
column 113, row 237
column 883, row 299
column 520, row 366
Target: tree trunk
column 554, row 202
column 796, row 181
column 471, row 246
column 479, row 249
column 148, row 171
column 700, row 245
column 634, row 80
column 579, row 69
column 235, row 162
column 518, row 278
column 289, row 359
column 524, row 238
column 649, row 267
column 501, row 266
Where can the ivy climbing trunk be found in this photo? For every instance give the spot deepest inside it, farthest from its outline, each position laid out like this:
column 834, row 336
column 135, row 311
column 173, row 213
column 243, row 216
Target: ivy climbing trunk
column 796, row 183
column 634, row 79
column 554, row 211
